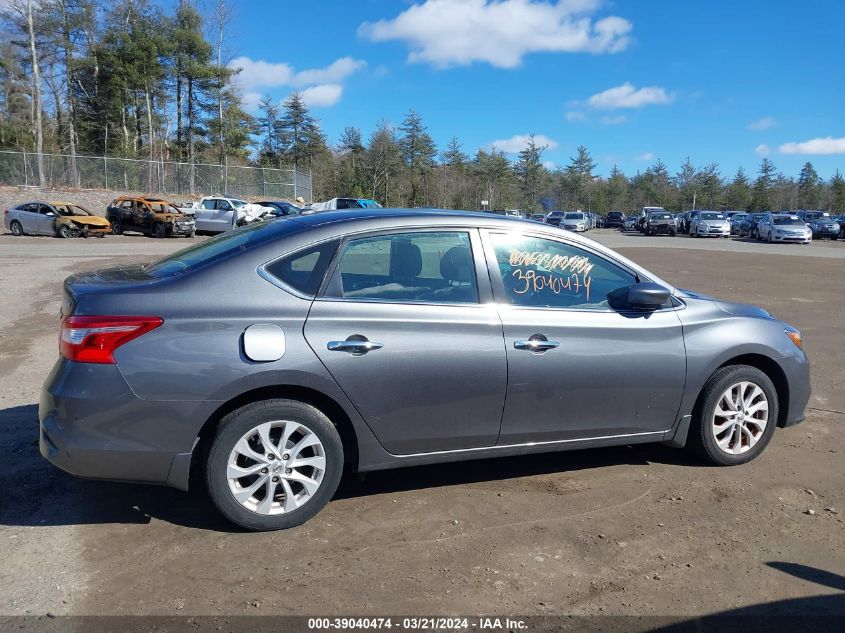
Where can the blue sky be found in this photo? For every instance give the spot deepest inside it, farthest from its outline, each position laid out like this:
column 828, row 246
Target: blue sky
column 724, row 81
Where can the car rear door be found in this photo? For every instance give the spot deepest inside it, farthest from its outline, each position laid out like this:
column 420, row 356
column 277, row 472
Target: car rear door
column 578, row 369
column 27, row 215
column 406, row 326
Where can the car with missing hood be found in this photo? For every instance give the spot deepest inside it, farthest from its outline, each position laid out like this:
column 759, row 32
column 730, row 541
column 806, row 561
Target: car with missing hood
column 820, row 223
column 59, row 219
column 783, row 227
column 709, row 224
column 338, row 351
column 659, row 222
column 149, row 215
column 216, row 214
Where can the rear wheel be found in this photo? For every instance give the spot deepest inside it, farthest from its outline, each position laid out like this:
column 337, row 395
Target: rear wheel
column 735, row 417
column 160, row 230
column 274, row 464
column 16, row 228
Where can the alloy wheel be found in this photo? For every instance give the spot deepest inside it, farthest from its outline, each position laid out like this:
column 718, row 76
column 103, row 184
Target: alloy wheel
column 276, row 467
column 740, row 417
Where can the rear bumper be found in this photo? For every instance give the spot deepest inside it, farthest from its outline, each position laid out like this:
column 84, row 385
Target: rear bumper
column 92, row 425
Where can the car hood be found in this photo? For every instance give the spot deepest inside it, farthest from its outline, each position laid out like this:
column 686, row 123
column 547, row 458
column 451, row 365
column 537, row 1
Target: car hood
column 714, row 222
column 87, row 220
column 736, row 309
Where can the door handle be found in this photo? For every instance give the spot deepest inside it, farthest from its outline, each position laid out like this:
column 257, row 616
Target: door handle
column 355, row 345
column 537, row 344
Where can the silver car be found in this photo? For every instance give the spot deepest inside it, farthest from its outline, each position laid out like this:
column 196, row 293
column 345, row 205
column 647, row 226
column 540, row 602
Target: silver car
column 783, row 227
column 267, row 359
column 575, row 221
column 709, row 224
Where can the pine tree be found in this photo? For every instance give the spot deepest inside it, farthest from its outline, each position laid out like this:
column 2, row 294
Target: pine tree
column 739, row 192
column 297, row 130
column 808, row 187
column 529, row 171
column 762, row 193
column 418, row 152
column 837, row 193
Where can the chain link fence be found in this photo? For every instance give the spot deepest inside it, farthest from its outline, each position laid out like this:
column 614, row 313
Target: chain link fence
column 20, row 169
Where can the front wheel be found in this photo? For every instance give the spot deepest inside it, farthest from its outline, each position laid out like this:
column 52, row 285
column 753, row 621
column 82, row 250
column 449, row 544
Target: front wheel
column 65, row 232
column 735, row 417
column 273, row 464
column 116, row 227
column 754, row 235
column 16, row 228
column 770, row 240
column 160, row 230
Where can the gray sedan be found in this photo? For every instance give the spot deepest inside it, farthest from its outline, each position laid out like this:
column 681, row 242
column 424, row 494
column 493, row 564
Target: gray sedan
column 268, row 358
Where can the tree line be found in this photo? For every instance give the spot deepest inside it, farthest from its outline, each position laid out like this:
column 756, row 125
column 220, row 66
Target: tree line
column 129, row 79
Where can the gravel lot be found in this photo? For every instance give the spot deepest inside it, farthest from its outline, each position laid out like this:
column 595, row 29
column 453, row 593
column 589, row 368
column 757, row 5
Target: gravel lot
column 638, row 530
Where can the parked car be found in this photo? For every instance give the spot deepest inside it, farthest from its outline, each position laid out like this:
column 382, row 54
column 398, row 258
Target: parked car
column 330, row 305
column 614, row 219
column 840, row 220
column 749, row 225
column 336, row 203
column 215, row 214
column 783, row 227
column 629, row 223
column 59, row 219
column 659, row 222
column 554, row 218
column 538, row 217
column 150, row 216
column 689, row 216
column 641, row 219
column 709, row 224
column 280, row 208
column 736, row 221
column 575, row 221
column 821, row 224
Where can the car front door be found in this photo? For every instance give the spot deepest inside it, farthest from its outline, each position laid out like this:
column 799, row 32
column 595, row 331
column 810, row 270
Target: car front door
column 45, row 220
column 577, row 368
column 224, row 215
column 407, row 328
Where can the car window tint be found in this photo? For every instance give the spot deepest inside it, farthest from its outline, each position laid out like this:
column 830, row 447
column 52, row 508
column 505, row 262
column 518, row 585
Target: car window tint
column 305, row 269
column 539, row 272
column 434, row 267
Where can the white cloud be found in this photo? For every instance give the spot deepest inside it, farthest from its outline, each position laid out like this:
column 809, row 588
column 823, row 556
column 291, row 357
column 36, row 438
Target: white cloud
column 762, row 149
column 517, row 143
column 613, row 120
column 628, row 96
column 260, row 74
column 646, row 156
column 826, row 145
column 499, row 32
column 575, row 116
column 334, row 73
column 762, row 124
column 319, row 87
column 322, row 96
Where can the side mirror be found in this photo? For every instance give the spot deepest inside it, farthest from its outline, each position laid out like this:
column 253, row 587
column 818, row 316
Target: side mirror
column 641, row 296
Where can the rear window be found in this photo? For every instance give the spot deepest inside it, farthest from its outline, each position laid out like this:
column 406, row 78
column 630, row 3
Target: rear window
column 220, row 247
column 304, row 270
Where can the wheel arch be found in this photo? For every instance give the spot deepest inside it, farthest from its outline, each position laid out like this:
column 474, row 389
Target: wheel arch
column 768, row 366
column 327, row 405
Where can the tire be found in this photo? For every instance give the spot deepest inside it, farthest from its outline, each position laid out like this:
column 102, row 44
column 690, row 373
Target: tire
column 116, row 227
column 753, row 234
column 64, row 232
column 16, row 228
column 769, row 239
column 191, row 234
column 673, row 233
column 160, row 230
column 703, row 431
column 248, row 513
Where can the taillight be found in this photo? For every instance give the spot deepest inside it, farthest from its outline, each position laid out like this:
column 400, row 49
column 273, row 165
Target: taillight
column 94, row 339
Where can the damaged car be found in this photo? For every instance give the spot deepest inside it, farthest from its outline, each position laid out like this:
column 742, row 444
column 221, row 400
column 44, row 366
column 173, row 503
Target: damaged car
column 215, row 214
column 59, row 219
column 150, row 216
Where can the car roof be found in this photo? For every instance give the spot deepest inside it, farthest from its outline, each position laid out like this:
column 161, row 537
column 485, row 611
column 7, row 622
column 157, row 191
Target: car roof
column 142, row 199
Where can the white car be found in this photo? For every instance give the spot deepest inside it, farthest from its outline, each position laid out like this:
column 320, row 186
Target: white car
column 783, row 227
column 215, row 214
column 335, row 203
column 575, row 221
column 710, row 224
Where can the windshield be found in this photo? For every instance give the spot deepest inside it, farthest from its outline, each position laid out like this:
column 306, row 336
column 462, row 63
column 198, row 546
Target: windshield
column 71, row 210
column 660, row 216
column 219, row 247
column 739, row 216
column 712, row 216
column 615, row 214
column 163, row 207
column 784, row 219
column 816, row 215
column 574, row 216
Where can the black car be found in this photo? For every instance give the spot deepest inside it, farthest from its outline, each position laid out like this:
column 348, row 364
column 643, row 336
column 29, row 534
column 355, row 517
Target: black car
column 281, row 208
column 554, row 218
column 749, row 225
column 614, row 219
column 688, row 217
column 658, row 222
column 820, row 223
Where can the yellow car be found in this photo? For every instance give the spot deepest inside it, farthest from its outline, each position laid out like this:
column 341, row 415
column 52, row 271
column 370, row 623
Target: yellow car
column 62, row 219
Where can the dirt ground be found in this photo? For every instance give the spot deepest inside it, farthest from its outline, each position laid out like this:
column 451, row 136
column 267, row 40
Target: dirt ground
column 636, row 530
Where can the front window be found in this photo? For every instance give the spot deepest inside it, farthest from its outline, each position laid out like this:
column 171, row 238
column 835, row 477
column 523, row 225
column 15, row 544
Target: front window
column 544, row 273
column 574, row 216
column 69, row 210
column 429, row 267
column 787, row 221
column 160, row 206
column 712, row 216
